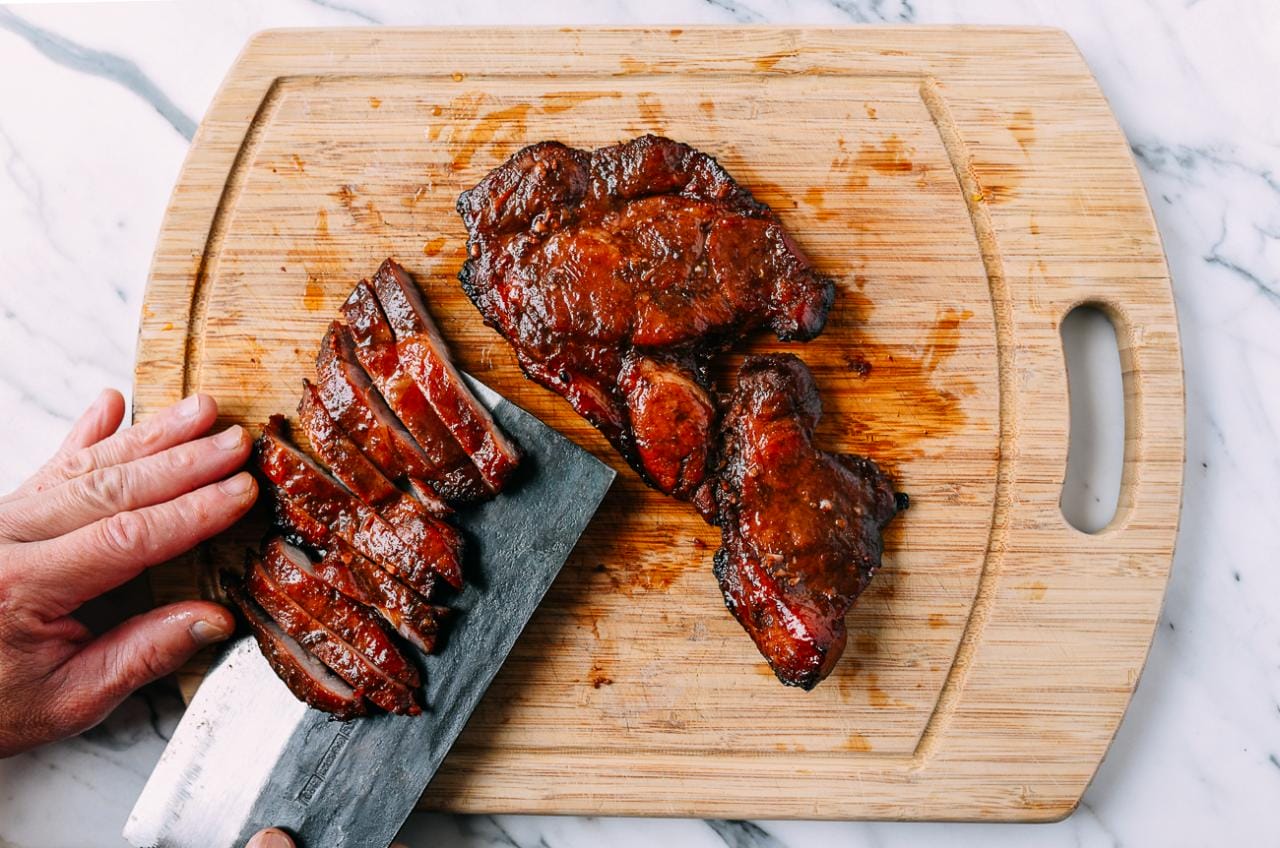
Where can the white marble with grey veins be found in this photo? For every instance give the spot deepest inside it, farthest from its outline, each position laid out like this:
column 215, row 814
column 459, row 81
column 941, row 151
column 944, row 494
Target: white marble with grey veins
column 97, row 107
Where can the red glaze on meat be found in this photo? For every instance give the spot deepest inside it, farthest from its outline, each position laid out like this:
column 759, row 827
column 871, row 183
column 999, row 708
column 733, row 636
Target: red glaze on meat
column 412, row 520
column 300, row 479
column 616, row 274
column 291, row 569
column 307, row 678
column 325, row 645
column 801, row 527
column 453, row 475
column 424, row 354
column 408, row 612
column 357, row 407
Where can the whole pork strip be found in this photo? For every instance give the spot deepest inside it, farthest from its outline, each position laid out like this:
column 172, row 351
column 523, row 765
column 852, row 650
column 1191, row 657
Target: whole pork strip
column 453, row 475
column 348, row 663
column 426, row 356
column 307, row 678
column 298, row 477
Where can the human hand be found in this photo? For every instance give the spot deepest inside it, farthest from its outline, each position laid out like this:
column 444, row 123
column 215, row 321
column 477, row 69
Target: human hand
column 107, row 506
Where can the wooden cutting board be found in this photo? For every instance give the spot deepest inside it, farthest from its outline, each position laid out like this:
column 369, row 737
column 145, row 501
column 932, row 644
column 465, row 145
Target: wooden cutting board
column 966, row 187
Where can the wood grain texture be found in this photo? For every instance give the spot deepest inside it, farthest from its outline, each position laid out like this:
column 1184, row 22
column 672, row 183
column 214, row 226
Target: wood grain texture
column 966, row 187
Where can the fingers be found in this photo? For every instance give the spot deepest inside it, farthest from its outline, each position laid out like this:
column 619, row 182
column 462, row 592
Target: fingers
column 100, row 420
column 65, row 572
column 270, row 838
column 181, row 422
column 116, row 488
column 142, row 649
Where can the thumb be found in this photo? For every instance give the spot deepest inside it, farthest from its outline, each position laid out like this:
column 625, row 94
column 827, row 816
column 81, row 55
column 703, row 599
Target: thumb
column 272, row 837
column 142, row 649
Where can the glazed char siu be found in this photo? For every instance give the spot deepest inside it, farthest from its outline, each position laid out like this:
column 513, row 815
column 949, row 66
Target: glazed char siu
column 420, row 524
column 424, row 353
column 451, row 473
column 616, row 274
column 362, row 413
column 801, row 527
column 307, row 678
column 297, row 477
column 290, row 569
column 327, row 646
column 355, row 576
column 403, row 439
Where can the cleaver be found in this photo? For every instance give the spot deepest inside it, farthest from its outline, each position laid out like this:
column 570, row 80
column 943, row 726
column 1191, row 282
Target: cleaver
column 249, row 755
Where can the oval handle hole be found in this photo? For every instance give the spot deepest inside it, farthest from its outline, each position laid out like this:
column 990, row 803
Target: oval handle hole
column 1095, row 450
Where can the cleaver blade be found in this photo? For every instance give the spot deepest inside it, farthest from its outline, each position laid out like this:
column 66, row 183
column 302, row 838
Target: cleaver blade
column 248, row 755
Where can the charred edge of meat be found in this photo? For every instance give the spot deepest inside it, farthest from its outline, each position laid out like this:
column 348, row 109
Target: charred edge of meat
column 306, row 677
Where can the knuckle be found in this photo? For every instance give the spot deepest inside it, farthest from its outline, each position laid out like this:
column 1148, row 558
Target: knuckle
column 126, row 532
column 149, row 662
column 105, row 487
column 148, row 437
column 181, row 460
column 77, row 463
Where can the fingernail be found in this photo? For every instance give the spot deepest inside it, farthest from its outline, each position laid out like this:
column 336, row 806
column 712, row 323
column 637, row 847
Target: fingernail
column 208, row 632
column 270, row 839
column 230, row 438
column 237, row 485
column 188, row 406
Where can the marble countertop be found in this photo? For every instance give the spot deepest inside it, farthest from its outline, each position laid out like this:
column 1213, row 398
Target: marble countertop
column 98, row 104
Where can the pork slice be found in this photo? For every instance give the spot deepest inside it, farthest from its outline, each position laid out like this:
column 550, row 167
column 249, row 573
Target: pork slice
column 325, row 500
column 410, row 518
column 362, row 413
column 307, row 678
column 344, row 459
column 423, row 352
column 291, row 569
column 453, row 474
column 300, row 528
column 315, row 636
column 419, row 622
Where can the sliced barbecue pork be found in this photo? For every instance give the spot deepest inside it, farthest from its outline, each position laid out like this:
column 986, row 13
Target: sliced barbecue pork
column 291, row 569
column 453, row 474
column 363, row 581
column 307, row 678
column 362, row 413
column 297, row 477
column 403, row 439
column 423, row 352
column 801, row 527
column 327, row 646
column 415, row 522
column 616, row 274
column 420, row 623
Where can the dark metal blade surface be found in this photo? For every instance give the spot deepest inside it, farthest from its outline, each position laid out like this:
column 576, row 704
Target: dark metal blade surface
column 247, row 755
